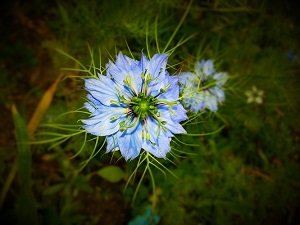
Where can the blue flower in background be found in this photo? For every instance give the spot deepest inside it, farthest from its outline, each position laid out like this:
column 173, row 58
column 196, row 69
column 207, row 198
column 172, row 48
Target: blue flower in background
column 291, row 56
column 148, row 218
column 135, row 105
column 203, row 88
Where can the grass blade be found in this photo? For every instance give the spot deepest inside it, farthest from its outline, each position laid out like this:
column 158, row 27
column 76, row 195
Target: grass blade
column 26, row 209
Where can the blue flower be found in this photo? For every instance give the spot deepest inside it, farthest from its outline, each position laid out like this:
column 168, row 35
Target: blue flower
column 203, row 88
column 291, row 56
column 135, row 105
column 148, row 218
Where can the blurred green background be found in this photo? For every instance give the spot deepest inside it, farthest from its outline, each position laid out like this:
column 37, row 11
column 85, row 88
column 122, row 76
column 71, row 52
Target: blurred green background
column 248, row 173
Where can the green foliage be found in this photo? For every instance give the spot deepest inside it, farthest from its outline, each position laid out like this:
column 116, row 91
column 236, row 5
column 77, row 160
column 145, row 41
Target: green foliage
column 111, row 173
column 238, row 166
column 26, row 205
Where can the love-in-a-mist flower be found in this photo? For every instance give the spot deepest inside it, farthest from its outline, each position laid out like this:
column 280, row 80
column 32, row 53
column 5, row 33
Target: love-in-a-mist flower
column 255, row 95
column 202, row 88
column 135, row 106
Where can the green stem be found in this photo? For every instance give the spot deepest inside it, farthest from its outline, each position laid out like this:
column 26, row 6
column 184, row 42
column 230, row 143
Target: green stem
column 179, row 25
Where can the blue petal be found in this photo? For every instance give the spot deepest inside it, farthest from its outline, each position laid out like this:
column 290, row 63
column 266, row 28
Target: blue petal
column 160, row 139
column 185, row 78
column 126, row 67
column 111, row 144
column 199, row 103
column 118, row 74
column 220, row 78
column 172, row 94
column 136, row 78
column 103, row 90
column 111, row 110
column 172, row 126
column 100, row 128
column 100, row 123
column 95, row 102
column 208, row 67
column 218, row 93
column 89, row 107
column 198, row 107
column 130, row 144
column 157, row 64
column 180, row 113
column 211, row 103
column 161, row 148
column 157, row 69
column 125, row 62
column 144, row 62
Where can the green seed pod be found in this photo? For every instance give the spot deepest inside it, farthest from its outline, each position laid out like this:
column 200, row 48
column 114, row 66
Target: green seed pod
column 148, row 78
column 114, row 102
column 128, row 79
column 147, row 136
column 135, row 99
column 136, row 109
column 143, row 115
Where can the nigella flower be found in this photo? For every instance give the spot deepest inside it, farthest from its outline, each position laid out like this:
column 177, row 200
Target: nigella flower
column 255, row 95
column 135, row 105
column 203, row 88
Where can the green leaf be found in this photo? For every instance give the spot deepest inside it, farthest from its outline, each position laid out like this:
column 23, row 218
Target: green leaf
column 111, row 173
column 53, row 189
column 24, row 154
column 26, row 215
column 81, row 182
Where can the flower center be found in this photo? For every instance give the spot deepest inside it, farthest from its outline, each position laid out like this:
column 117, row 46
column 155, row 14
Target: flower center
column 207, row 83
column 143, row 105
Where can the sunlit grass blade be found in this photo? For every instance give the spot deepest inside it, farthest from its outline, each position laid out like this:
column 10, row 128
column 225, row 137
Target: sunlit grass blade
column 42, row 107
